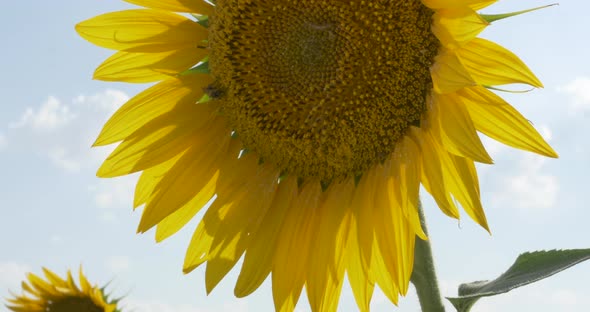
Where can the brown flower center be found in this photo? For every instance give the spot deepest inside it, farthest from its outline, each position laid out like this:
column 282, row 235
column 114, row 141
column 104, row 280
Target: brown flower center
column 323, row 89
column 73, row 304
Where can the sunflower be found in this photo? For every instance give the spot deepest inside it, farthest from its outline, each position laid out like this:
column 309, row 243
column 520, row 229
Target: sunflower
column 58, row 295
column 306, row 129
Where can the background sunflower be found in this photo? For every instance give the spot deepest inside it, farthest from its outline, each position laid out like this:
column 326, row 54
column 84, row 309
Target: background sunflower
column 53, row 293
column 52, row 67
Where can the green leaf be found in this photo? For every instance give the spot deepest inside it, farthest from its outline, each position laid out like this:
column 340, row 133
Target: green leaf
column 528, row 268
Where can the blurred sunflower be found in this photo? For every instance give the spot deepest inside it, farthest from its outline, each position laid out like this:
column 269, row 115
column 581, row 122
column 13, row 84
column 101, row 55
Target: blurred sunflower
column 58, row 295
column 310, row 126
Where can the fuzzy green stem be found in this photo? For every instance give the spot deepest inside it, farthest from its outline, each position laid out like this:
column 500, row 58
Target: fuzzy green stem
column 424, row 275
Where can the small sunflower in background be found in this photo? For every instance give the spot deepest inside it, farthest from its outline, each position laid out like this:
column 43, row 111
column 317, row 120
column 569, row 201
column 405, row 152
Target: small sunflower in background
column 60, row 295
column 309, row 127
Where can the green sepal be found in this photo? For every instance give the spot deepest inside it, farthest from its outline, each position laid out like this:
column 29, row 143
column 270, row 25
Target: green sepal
column 357, row 179
column 282, row 176
column 107, row 297
column 490, row 18
column 204, row 99
column 203, row 20
column 508, row 91
column 528, row 268
column 201, row 68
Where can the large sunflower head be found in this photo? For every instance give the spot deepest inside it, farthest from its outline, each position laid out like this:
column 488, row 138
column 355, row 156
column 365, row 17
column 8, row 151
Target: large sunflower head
column 309, row 126
column 59, row 295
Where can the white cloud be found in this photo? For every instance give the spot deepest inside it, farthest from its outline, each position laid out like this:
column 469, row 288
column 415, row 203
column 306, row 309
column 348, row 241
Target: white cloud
column 117, row 264
column 59, row 156
column 117, row 192
column 579, row 89
column 63, row 133
column 110, row 194
column 564, row 297
column 11, row 275
column 108, row 101
column 530, row 188
column 3, row 141
column 104, row 199
column 50, row 115
column 537, row 191
column 56, row 239
column 546, row 133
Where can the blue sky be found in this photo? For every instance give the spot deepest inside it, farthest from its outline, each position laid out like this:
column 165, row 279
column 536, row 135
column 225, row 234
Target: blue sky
column 56, row 213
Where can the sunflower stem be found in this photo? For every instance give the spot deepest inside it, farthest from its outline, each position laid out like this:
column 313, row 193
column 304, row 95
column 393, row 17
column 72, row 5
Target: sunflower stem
column 424, row 274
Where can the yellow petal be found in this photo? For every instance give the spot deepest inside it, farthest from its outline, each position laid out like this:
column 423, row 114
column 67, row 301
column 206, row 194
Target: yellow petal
column 499, row 120
column 461, row 182
column 222, row 260
column 70, row 279
column 148, row 67
column 382, row 275
column 448, row 73
column 154, row 102
column 143, row 30
column 187, row 177
column 258, row 260
column 460, row 179
column 84, row 284
column 198, row 249
column 149, row 179
column 394, row 235
column 362, row 207
column 241, row 222
column 44, row 288
column 358, row 274
column 481, row 5
column 247, row 214
column 54, row 278
column 26, row 287
column 432, row 175
column 235, row 174
column 179, row 218
column 365, row 207
column 389, row 223
column 293, row 248
column 153, row 144
column 470, row 198
column 455, row 27
column 27, row 308
column 326, row 268
column 490, row 64
column 194, row 6
column 458, row 133
column 445, row 4
column 403, row 184
column 110, row 308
